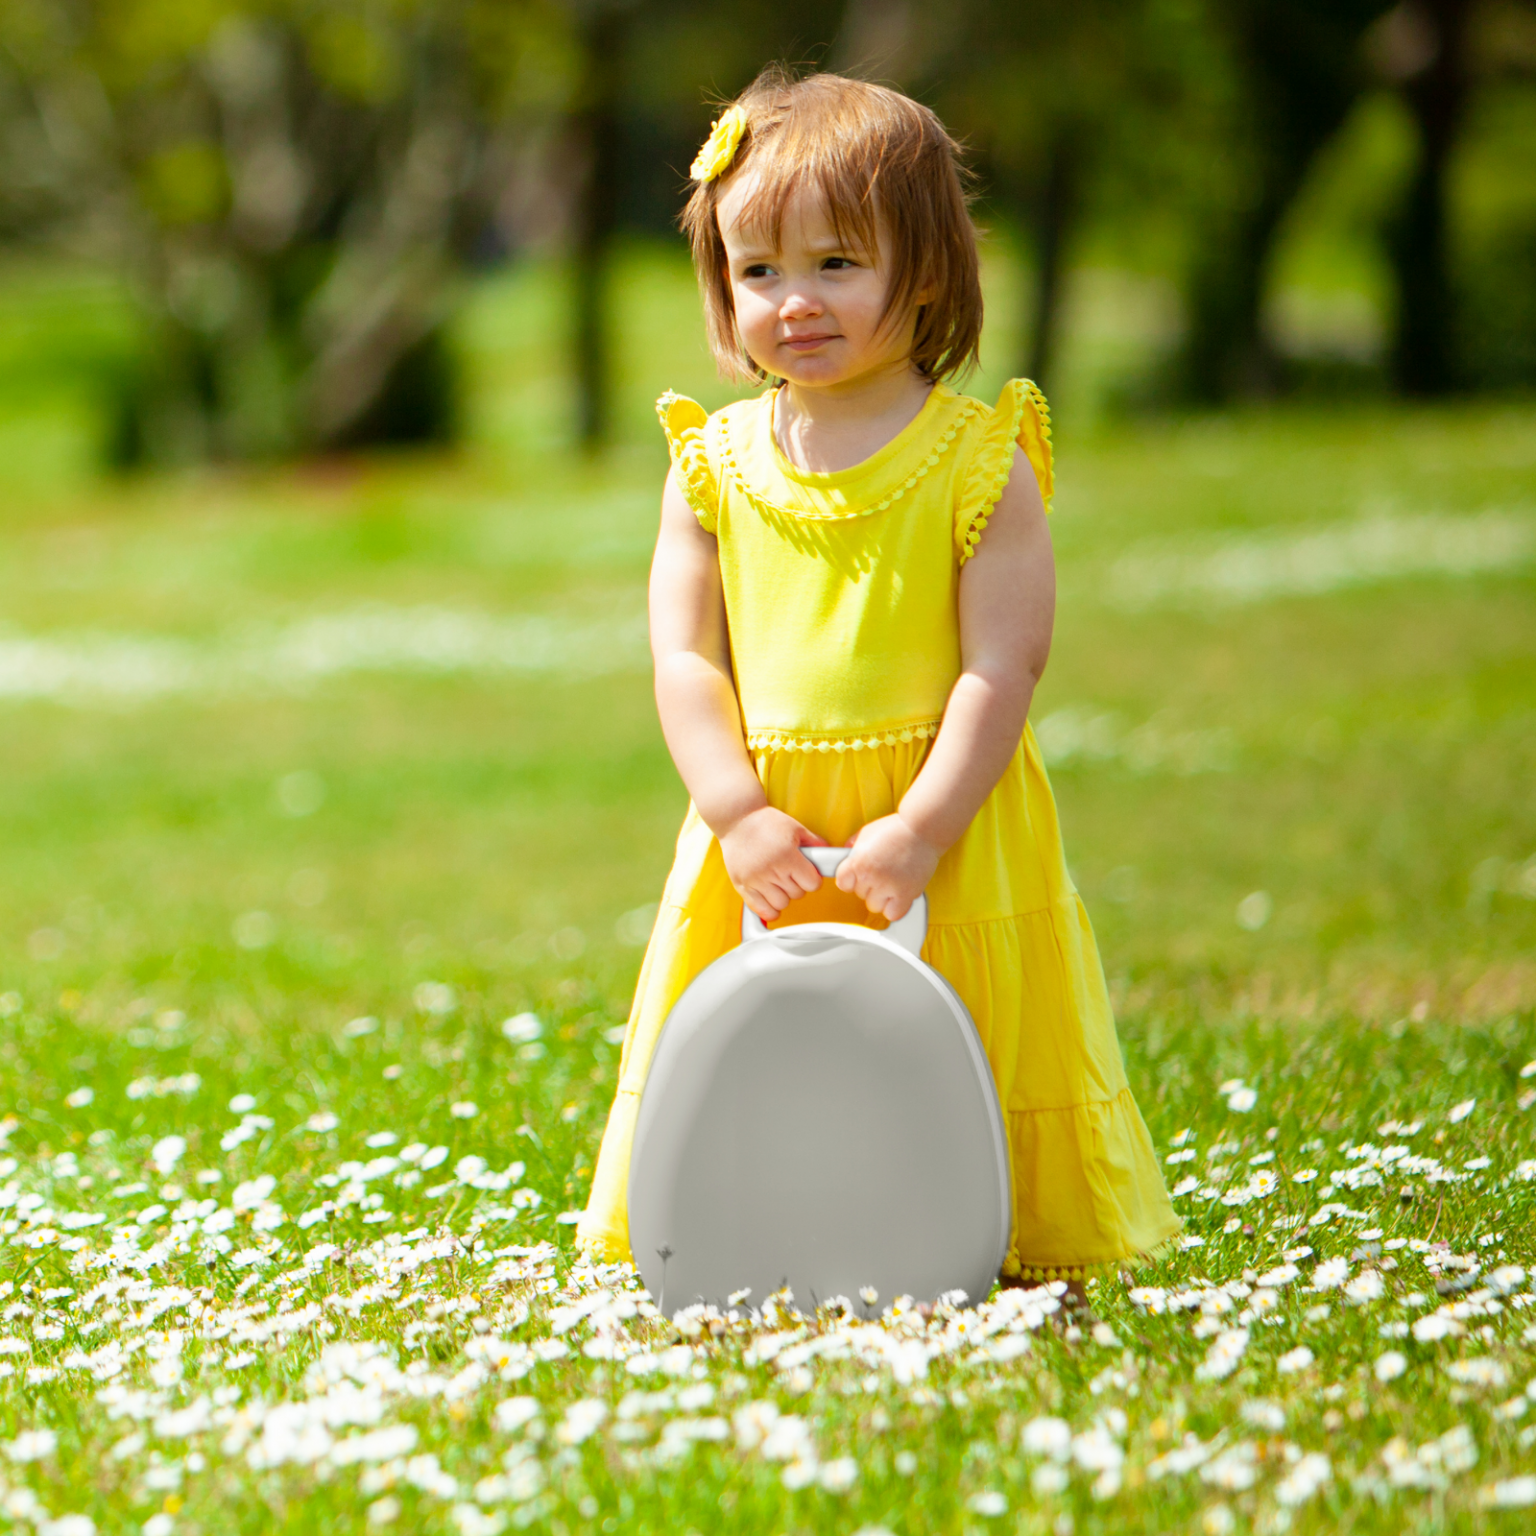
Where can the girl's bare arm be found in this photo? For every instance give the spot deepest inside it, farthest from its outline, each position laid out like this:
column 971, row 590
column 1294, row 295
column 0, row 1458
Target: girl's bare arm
column 701, row 718
column 1007, row 608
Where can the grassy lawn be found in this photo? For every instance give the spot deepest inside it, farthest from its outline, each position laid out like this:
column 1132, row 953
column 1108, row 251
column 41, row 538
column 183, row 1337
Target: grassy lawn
column 313, row 777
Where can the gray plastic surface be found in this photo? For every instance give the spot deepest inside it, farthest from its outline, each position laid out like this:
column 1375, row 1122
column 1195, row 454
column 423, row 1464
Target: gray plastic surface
column 820, row 1113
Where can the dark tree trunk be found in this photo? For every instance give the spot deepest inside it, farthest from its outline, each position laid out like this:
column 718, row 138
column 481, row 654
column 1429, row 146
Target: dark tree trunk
column 599, row 131
column 1053, row 214
column 1227, row 353
column 1299, row 62
column 1423, row 350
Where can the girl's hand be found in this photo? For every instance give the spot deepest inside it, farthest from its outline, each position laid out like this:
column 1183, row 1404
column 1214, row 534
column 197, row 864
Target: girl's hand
column 763, row 859
column 889, row 867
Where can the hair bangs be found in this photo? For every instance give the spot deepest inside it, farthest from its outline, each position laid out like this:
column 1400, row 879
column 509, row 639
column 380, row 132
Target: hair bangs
column 783, row 171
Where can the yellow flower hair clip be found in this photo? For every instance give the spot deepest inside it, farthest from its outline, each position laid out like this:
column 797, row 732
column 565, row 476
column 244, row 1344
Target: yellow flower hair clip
column 720, row 147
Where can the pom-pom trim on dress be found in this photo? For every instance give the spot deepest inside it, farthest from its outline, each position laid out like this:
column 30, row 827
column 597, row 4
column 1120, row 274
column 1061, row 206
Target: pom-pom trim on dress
column 1015, row 429
column 683, row 420
column 773, row 509
column 790, row 741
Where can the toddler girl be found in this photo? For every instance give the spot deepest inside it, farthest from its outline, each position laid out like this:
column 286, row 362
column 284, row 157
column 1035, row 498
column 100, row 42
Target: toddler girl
column 851, row 604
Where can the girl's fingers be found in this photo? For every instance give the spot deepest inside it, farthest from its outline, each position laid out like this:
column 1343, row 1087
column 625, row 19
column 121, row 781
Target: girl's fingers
column 770, row 900
column 762, row 903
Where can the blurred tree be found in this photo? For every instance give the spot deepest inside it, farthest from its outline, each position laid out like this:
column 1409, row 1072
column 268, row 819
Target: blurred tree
column 601, row 30
column 1299, row 68
column 1439, row 53
column 1421, row 45
column 647, row 72
column 1053, row 102
column 1494, row 182
column 289, row 185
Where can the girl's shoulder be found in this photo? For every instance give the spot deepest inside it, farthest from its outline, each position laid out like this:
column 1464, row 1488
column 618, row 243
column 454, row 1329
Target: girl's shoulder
column 1020, row 419
column 694, row 439
column 679, row 414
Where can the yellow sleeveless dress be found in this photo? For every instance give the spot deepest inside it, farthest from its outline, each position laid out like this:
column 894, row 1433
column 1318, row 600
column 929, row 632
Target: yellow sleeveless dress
column 841, row 593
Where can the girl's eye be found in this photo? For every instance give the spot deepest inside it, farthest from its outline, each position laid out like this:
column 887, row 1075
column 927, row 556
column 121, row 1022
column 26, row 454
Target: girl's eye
column 836, row 263
column 758, row 269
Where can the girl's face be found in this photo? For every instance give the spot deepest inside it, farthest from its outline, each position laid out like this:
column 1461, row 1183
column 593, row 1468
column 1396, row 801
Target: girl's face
column 810, row 311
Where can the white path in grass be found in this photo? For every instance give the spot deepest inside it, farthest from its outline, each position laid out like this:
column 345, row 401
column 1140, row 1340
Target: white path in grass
column 1364, row 551
column 94, row 668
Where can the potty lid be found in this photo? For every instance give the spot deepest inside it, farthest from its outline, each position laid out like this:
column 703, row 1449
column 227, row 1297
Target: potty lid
column 819, row 1113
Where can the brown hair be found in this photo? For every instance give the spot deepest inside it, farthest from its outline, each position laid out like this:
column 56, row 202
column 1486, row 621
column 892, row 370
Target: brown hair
column 880, row 162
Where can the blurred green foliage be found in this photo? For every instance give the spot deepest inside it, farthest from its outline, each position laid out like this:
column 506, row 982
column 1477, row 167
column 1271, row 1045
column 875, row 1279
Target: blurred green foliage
column 286, row 189
column 1361, row 754
column 289, row 193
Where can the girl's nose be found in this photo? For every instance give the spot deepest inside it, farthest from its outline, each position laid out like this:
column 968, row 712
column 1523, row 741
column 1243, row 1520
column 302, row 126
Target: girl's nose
column 799, row 304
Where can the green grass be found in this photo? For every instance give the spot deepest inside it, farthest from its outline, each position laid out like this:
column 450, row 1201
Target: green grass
column 226, row 830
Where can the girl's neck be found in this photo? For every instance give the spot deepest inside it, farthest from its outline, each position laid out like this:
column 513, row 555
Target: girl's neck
column 823, row 430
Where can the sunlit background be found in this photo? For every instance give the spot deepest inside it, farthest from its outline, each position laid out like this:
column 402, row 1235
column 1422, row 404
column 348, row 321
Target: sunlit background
column 329, row 336
column 334, row 811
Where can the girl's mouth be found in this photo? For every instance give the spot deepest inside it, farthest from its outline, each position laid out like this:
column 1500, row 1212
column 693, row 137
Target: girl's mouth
column 805, row 343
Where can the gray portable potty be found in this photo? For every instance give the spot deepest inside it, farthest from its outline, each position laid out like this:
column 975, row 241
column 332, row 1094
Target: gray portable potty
column 820, row 1114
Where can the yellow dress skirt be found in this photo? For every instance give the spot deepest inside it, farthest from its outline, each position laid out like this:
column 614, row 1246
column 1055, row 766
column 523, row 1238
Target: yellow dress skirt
column 1009, row 932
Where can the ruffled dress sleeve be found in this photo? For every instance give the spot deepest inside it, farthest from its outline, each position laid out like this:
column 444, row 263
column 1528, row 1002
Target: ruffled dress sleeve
column 684, row 420
column 1020, row 419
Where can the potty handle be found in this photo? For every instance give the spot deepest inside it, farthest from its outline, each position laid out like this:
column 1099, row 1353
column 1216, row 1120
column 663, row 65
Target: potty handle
column 909, row 931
